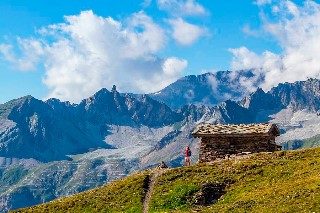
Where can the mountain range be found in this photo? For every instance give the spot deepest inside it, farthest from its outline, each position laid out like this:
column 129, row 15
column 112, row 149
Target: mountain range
column 50, row 149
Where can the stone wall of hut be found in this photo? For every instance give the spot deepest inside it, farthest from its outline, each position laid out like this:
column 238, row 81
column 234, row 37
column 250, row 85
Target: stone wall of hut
column 212, row 148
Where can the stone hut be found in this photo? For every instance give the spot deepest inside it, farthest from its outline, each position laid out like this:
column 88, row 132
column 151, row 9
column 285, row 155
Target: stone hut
column 219, row 141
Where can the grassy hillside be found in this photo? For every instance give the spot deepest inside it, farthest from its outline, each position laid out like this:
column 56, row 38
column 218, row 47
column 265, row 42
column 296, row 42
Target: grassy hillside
column 285, row 181
column 306, row 143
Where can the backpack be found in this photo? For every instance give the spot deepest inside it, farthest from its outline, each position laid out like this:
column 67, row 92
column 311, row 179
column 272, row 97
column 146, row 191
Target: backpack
column 189, row 152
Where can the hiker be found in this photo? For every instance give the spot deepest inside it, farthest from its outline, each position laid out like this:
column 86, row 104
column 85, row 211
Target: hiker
column 187, row 154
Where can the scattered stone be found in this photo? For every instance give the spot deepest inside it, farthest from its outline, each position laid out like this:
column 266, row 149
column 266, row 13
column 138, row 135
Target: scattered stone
column 209, row 193
column 162, row 165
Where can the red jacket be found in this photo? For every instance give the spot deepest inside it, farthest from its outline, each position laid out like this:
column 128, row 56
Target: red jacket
column 187, row 152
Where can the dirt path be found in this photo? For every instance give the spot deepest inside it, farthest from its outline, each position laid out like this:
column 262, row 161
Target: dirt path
column 153, row 177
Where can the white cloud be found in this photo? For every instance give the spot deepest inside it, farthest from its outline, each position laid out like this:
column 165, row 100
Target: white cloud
column 189, row 95
column 173, row 66
column 263, row 2
column 275, row 9
column 249, row 31
column 185, row 33
column 292, row 8
column 28, row 55
column 146, row 3
column 88, row 52
column 182, row 7
column 6, row 51
column 244, row 59
column 297, row 31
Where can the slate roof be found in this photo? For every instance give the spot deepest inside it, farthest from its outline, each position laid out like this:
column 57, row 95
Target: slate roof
column 235, row 129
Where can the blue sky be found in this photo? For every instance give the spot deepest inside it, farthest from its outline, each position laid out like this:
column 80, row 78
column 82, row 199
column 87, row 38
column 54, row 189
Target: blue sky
column 70, row 49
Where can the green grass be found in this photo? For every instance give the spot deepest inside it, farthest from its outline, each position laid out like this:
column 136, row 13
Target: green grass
column 125, row 195
column 284, row 181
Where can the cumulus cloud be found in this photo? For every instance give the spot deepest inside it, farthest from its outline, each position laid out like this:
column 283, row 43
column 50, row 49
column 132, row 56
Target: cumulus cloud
column 186, row 33
column 146, row 3
column 183, row 32
column 249, row 31
column 6, row 51
column 263, row 2
column 173, row 66
column 182, row 7
column 28, row 55
column 297, row 30
column 88, row 52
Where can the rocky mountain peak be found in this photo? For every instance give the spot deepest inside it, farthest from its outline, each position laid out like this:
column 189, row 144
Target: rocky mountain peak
column 15, row 102
column 208, row 88
column 26, row 107
column 299, row 95
column 231, row 112
column 260, row 100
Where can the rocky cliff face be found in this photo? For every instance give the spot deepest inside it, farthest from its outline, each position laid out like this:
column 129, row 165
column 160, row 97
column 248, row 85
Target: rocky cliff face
column 40, row 132
column 51, row 149
column 299, row 95
column 112, row 108
column 259, row 100
column 51, row 130
column 207, row 89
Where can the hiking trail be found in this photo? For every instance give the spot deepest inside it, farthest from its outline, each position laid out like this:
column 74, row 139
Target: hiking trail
column 153, row 178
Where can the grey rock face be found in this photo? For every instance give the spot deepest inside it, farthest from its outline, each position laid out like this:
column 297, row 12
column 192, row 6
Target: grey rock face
column 299, row 95
column 206, row 89
column 259, row 100
column 38, row 131
column 51, row 130
column 112, row 108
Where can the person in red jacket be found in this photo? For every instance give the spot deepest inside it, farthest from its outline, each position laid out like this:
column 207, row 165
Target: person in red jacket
column 187, row 154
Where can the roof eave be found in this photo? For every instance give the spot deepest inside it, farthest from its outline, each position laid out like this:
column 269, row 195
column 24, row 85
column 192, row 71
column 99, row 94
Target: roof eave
column 230, row 135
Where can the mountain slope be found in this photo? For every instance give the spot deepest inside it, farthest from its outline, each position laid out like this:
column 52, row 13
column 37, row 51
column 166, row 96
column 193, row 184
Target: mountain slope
column 306, row 143
column 51, row 130
column 285, row 181
column 292, row 106
column 299, row 95
column 208, row 89
column 39, row 132
column 59, row 149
